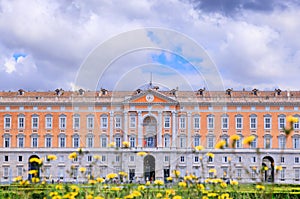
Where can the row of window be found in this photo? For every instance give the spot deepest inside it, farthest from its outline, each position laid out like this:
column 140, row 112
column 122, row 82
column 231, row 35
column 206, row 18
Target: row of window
column 239, row 122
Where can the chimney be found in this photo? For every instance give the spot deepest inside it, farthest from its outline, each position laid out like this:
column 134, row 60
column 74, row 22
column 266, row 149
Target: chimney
column 81, row 91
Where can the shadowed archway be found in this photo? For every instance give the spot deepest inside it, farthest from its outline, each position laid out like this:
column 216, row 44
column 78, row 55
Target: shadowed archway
column 149, row 168
column 268, row 174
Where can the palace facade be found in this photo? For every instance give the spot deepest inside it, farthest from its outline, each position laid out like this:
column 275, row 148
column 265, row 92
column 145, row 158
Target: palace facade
column 165, row 124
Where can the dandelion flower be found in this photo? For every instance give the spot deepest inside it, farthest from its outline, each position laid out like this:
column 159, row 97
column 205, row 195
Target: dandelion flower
column 211, row 155
column 73, row 155
column 221, row 144
column 142, row 153
column 199, row 148
column 248, row 140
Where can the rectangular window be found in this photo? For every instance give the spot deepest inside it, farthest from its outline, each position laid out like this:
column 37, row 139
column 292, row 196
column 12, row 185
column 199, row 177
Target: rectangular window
column 76, row 142
column 239, row 122
column 281, row 159
column 62, row 142
column 297, row 174
column 20, row 171
column 20, row 142
column 90, row 142
column 224, row 159
column 118, row 122
column 239, row 143
column 48, row 143
column 103, row 158
column 48, row 122
column 210, row 159
column 62, row 122
column 20, row 158
column 167, row 141
column 282, row 142
column 61, row 158
column 104, row 122
column 182, row 159
column 21, row 122
column 76, row 122
column 182, row 122
column 239, row 173
column 6, row 158
column 131, row 158
column 282, row 174
column 167, row 158
column 210, row 122
column 296, row 143
column 118, row 142
column 196, row 122
column 132, row 122
column 182, row 141
column 196, row 159
column 197, row 141
column 34, row 142
column 35, row 122
column 90, row 122
column 132, row 141
column 7, row 142
column 239, row 159
column 7, row 122
column 297, row 160
column 210, row 142
column 117, row 158
column 5, row 171
column 89, row 158
column 225, row 122
column 167, row 122
column 296, row 124
column 253, row 122
column 103, row 142
column 267, row 122
column 253, row 159
column 281, row 122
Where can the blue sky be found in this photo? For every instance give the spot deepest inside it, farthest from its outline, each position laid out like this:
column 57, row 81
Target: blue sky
column 252, row 43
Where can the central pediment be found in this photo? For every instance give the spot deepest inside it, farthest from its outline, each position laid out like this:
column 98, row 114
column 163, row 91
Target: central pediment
column 151, row 96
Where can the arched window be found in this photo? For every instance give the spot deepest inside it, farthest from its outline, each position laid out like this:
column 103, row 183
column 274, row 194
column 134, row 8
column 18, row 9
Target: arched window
column 76, row 141
column 267, row 141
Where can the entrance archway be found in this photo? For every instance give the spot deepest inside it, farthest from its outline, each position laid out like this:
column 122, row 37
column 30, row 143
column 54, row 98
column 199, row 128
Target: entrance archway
column 268, row 174
column 33, row 166
column 150, row 129
column 149, row 168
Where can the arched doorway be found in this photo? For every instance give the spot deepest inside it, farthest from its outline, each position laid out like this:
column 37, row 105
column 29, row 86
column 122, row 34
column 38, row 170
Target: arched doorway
column 268, row 174
column 149, row 168
column 150, row 129
column 33, row 166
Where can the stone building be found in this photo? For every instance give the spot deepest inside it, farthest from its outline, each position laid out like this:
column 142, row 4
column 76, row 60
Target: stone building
column 166, row 124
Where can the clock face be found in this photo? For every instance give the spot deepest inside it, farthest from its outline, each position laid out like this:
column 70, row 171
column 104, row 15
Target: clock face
column 149, row 98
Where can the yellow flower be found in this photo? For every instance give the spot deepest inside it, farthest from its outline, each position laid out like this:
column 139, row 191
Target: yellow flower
column 73, row 155
column 98, row 197
column 97, row 157
column 170, row 192
column 278, row 168
column 89, row 197
column 177, row 197
column 115, row 189
column 159, row 182
column 223, row 185
column 200, row 186
column 182, row 184
column 169, row 178
column 75, row 188
column 158, row 195
column 111, row 176
column 92, row 182
column 221, row 144
column 292, row 119
column 100, row 180
column 37, row 160
column 35, row 180
column 234, row 182
column 59, row 187
column 51, row 157
column 112, row 144
column 187, row 178
column 122, row 173
column 33, row 172
column 17, row 179
column 141, row 188
column 234, row 137
column 125, row 144
column 212, row 171
column 142, row 153
column 82, row 169
column 136, row 193
column 249, row 139
column 211, row 155
column 260, row 187
column 265, row 168
column 53, row 193
column 199, row 148
column 176, row 173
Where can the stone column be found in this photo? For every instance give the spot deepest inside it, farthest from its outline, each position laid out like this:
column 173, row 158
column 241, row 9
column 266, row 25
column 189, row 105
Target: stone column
column 174, row 128
column 140, row 129
column 159, row 129
column 189, row 133
column 125, row 137
column 111, row 126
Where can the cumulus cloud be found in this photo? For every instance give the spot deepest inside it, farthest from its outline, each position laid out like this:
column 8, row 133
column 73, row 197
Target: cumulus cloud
column 254, row 44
